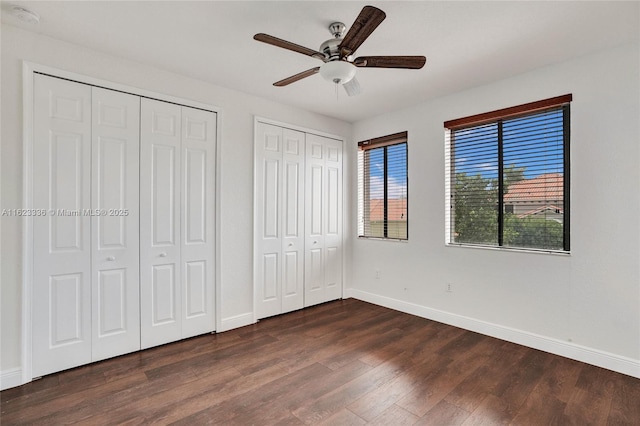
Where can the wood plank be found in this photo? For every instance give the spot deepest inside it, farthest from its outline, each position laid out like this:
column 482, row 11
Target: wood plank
column 343, row 362
column 469, row 352
column 473, row 390
column 625, row 403
column 587, row 408
column 373, row 403
column 444, row 413
column 344, row 417
column 316, row 410
column 395, row 416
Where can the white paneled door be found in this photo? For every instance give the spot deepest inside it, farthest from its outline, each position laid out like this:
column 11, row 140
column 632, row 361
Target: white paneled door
column 124, row 238
column 279, row 222
column 177, row 158
column 85, row 279
column 160, row 184
column 197, row 225
column 115, row 298
column 62, row 236
column 298, row 219
column 323, row 242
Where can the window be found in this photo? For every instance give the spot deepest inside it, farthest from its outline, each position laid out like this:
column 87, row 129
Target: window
column 507, row 182
column 382, row 187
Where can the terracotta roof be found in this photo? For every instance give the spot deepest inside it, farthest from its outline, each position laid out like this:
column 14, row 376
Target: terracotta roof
column 548, row 186
column 554, row 209
column 397, row 209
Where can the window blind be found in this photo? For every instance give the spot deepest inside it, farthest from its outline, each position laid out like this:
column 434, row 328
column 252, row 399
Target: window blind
column 382, row 187
column 509, row 177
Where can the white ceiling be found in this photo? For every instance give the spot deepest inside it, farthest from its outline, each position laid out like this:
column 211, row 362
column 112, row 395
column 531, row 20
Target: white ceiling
column 466, row 43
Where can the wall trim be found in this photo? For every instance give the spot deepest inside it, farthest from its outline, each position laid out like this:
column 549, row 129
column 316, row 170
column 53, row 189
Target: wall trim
column 10, row 378
column 620, row 364
column 236, row 321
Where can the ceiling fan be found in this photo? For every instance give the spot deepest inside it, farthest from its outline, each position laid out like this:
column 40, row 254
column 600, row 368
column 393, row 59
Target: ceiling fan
column 339, row 66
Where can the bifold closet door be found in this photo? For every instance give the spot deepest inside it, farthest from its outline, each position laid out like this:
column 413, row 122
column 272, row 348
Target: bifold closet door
column 115, row 229
column 197, row 221
column 323, row 242
column 62, row 237
column 85, row 277
column 160, row 184
column 177, row 158
column 279, row 227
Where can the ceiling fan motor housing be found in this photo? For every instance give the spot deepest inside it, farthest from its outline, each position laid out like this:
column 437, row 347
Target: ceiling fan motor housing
column 330, row 48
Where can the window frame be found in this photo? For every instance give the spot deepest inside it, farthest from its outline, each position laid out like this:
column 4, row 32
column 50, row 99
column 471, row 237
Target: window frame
column 362, row 169
column 497, row 117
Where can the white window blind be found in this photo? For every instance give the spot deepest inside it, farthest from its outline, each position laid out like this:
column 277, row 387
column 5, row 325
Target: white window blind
column 382, row 187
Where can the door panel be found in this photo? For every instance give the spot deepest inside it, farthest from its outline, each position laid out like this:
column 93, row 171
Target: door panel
column 267, row 226
column 61, row 239
column 163, row 291
column 197, row 230
column 196, row 291
column 291, row 280
column 292, row 220
column 111, row 312
column 115, row 230
column 271, row 205
column 67, row 152
column 323, row 252
column 279, row 242
column 333, row 234
column 65, row 309
column 160, row 232
column 270, row 282
column 316, row 196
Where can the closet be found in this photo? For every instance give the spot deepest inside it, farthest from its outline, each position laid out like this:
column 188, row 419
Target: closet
column 176, row 226
column 123, row 251
column 298, row 219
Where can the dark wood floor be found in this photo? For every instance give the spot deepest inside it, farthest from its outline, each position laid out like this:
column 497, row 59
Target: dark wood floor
column 341, row 363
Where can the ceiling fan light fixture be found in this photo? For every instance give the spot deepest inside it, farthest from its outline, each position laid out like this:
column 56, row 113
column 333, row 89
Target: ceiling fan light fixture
column 339, row 72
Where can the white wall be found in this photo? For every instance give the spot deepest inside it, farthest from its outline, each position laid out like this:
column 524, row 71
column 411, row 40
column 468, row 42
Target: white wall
column 236, row 163
column 590, row 298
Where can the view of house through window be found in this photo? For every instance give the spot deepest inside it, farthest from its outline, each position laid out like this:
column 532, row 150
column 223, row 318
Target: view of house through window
column 382, row 187
column 508, row 177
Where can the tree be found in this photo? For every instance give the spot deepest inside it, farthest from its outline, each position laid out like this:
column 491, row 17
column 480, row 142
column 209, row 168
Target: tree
column 534, row 232
column 475, row 209
column 476, row 214
column 512, row 174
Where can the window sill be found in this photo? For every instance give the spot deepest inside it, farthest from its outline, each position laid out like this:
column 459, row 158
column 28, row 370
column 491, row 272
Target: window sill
column 511, row 249
column 395, row 240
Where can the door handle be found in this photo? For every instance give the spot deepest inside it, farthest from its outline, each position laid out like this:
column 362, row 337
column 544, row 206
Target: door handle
column 111, row 258
column 315, row 242
column 290, row 244
column 163, row 254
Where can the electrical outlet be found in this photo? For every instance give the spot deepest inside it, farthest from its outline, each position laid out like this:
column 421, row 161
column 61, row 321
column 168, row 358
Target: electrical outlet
column 377, row 274
column 449, row 288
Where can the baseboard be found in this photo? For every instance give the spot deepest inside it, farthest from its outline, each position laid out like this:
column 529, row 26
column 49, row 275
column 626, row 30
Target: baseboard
column 236, row 321
column 620, row 364
column 10, row 378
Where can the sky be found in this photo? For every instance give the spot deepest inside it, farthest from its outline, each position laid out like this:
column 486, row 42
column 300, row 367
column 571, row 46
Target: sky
column 397, row 174
column 533, row 142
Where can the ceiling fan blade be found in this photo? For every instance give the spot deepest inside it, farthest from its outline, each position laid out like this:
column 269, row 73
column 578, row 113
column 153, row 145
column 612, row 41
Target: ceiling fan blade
column 352, row 87
column 297, row 77
column 368, row 20
column 410, row 62
column 278, row 42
